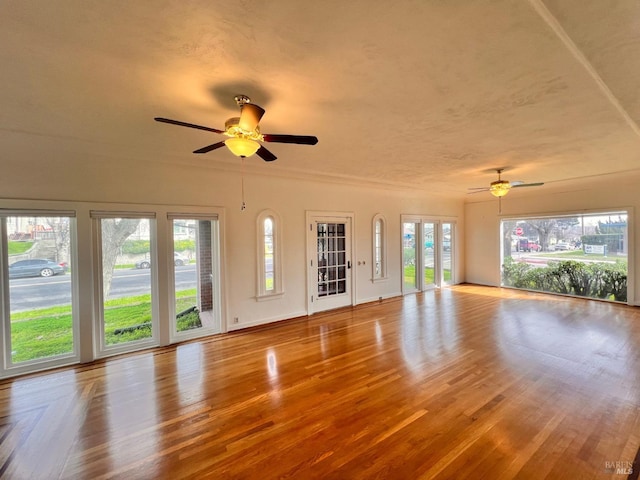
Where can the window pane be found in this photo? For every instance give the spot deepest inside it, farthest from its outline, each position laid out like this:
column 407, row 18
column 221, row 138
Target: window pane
column 581, row 255
column 409, row 256
column 447, row 242
column 196, row 276
column 40, row 310
column 268, row 266
column 126, row 279
column 429, row 254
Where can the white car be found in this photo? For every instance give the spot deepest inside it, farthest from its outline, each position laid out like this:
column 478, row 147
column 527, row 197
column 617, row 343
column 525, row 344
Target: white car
column 178, row 260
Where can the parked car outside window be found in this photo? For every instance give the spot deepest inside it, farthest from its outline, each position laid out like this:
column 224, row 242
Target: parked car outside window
column 178, row 260
column 35, row 267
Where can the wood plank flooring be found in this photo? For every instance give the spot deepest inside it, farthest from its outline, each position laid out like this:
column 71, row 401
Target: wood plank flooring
column 466, row 382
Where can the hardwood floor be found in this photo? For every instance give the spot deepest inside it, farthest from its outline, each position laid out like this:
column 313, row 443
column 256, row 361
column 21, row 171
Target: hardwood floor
column 467, row 382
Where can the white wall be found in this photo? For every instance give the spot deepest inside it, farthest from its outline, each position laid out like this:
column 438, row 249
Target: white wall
column 482, row 222
column 194, row 183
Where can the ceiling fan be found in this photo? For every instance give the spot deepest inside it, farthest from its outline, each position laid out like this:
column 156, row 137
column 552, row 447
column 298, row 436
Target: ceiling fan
column 500, row 187
column 244, row 132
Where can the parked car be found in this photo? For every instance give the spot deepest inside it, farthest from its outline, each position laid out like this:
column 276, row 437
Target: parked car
column 561, row 246
column 526, row 245
column 35, row 267
column 178, row 261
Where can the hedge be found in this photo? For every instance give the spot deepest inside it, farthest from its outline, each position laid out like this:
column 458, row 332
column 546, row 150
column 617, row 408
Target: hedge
column 569, row 277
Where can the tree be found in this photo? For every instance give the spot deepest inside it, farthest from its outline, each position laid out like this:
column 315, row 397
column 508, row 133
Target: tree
column 62, row 237
column 115, row 232
column 507, row 230
column 544, row 228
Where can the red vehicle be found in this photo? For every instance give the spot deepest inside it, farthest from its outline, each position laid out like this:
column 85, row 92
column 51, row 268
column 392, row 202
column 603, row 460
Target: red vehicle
column 526, row 245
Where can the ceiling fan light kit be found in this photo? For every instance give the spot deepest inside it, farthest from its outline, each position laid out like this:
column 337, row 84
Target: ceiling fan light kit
column 499, row 188
column 242, row 147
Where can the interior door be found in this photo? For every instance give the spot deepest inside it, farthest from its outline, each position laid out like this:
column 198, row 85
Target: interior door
column 330, row 263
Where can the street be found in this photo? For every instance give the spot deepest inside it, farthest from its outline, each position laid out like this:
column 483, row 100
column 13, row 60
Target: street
column 38, row 292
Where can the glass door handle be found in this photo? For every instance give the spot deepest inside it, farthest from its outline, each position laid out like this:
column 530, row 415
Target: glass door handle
column 348, row 263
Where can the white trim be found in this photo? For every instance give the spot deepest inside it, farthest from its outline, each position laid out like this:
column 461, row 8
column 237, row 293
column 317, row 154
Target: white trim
column 102, row 349
column 174, row 335
column 313, row 217
column 8, row 368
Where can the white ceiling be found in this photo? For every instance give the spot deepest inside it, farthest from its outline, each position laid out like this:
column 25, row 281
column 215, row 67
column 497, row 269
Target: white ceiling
column 412, row 93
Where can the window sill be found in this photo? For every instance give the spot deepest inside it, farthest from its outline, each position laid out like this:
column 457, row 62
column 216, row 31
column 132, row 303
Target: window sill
column 269, row 296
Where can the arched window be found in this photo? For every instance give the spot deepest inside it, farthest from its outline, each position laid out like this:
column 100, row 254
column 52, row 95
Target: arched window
column 379, row 263
column 269, row 258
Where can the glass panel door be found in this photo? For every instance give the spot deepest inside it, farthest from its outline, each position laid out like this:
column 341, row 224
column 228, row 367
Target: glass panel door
column 427, row 253
column 447, row 253
column 410, row 256
column 40, row 322
column 196, row 277
column 429, row 242
column 127, row 267
column 331, row 263
column 332, row 260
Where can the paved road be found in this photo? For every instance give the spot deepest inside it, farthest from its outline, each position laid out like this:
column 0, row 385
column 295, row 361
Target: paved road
column 37, row 292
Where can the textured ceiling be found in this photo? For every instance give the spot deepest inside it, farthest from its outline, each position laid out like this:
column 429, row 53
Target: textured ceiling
column 420, row 94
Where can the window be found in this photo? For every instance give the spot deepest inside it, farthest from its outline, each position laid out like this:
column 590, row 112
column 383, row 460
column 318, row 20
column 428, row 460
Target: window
column 127, row 256
column 583, row 255
column 379, row 263
column 269, row 261
column 40, row 322
column 196, row 275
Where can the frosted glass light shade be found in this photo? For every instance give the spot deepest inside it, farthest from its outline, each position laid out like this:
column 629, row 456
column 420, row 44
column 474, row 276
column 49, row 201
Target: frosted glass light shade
column 242, row 147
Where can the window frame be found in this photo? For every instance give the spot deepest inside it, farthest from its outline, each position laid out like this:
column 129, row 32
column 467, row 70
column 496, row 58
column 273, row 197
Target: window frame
column 9, row 368
column 379, row 219
column 103, row 350
column 214, row 219
column 278, row 289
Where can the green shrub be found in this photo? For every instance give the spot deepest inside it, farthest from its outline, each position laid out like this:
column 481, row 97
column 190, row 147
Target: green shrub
column 136, row 247
column 594, row 280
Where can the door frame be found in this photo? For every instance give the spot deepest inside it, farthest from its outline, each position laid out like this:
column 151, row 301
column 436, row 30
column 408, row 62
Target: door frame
column 438, row 245
column 313, row 217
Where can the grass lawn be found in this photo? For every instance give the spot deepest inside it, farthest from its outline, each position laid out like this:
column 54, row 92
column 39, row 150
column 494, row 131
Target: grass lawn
column 429, row 275
column 48, row 332
column 18, row 247
column 580, row 255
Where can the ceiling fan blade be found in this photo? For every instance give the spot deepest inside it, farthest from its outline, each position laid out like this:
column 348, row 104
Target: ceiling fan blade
column 299, row 139
column 208, row 148
column 527, row 185
column 250, row 116
column 478, row 190
column 265, row 154
column 185, row 124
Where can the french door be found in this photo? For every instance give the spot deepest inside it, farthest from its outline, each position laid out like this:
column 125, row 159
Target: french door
column 329, row 262
column 427, row 253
